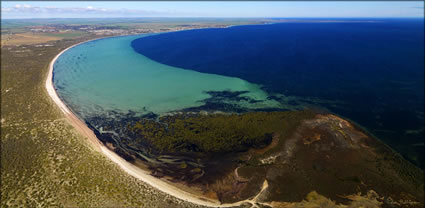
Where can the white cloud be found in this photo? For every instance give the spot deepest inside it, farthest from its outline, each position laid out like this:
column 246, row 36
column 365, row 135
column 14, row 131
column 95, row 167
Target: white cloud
column 90, row 10
column 6, row 9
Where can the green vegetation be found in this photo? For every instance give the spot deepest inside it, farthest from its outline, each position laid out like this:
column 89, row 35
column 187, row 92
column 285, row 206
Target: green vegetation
column 215, row 133
column 44, row 161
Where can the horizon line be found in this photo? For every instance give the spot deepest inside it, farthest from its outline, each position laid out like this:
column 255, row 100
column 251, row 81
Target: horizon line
column 405, row 17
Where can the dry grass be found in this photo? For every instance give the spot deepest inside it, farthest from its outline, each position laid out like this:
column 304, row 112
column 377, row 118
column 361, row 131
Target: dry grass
column 27, row 38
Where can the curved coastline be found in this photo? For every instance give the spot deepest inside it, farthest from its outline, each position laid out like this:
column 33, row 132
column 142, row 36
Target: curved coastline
column 129, row 168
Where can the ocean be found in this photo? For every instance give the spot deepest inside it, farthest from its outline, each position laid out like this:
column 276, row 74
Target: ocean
column 370, row 71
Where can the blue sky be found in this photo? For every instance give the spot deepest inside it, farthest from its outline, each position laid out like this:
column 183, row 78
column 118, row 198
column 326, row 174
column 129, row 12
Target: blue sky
column 86, row 9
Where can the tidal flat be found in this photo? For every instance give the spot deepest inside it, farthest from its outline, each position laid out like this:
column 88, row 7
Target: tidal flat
column 230, row 158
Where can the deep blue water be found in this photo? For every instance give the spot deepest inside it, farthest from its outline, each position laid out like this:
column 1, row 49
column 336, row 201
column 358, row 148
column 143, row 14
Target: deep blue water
column 369, row 72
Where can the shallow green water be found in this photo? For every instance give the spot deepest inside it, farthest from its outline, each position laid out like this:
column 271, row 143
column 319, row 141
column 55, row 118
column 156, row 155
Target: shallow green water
column 107, row 74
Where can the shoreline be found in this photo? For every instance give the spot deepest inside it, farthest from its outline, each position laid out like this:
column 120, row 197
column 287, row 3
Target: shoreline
column 129, row 168
column 72, row 118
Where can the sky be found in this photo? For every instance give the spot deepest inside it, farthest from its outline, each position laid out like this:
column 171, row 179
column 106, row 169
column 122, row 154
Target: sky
column 99, row 9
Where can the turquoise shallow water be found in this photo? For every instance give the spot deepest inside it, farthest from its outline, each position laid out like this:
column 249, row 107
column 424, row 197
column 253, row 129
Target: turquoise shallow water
column 106, row 75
